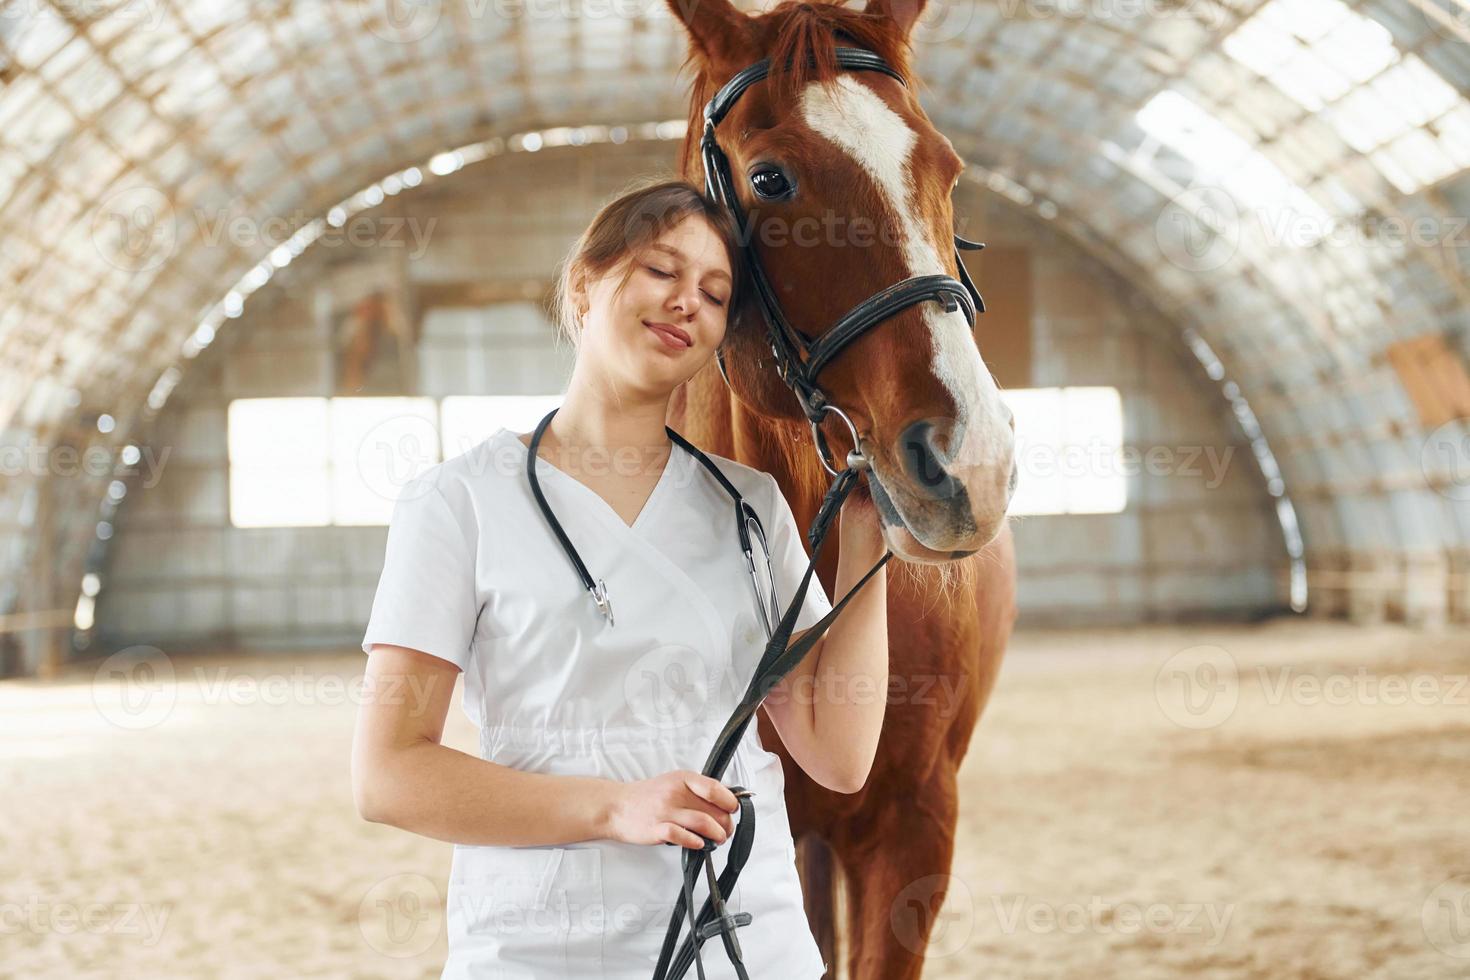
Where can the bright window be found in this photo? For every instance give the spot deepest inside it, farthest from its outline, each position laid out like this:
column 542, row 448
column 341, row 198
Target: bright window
column 1069, row 444
column 278, row 462
column 468, row 420
column 311, row 462
column 378, row 446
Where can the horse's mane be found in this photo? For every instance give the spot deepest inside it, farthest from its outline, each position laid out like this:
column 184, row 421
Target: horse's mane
column 814, row 30
column 808, row 33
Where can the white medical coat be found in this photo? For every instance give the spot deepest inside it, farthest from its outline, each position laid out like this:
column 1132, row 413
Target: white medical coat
column 473, row 575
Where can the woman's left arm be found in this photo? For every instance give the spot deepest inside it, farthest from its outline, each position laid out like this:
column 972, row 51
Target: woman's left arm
column 829, row 709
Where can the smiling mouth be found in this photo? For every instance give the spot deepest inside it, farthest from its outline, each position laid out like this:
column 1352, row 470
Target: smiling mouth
column 672, row 337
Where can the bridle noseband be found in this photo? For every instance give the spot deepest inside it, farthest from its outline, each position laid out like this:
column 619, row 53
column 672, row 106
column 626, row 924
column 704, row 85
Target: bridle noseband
column 799, row 361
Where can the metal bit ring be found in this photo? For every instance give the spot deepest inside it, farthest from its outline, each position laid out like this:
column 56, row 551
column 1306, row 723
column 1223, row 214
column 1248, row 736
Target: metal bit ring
column 855, row 458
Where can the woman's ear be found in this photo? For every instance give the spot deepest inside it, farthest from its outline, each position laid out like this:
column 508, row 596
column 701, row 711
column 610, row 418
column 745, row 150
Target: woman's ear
column 579, row 295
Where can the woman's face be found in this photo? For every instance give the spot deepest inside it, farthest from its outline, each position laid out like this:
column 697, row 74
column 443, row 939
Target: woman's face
column 670, row 316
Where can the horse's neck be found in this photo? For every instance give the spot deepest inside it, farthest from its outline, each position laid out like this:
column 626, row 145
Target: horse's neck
column 704, row 413
column 709, row 415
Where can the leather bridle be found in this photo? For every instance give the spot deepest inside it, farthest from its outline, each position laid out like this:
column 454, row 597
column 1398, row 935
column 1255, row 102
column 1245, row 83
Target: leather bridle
column 800, row 361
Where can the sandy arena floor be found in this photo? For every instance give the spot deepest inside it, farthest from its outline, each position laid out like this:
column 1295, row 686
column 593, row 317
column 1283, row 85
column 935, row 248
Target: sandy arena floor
column 1283, row 801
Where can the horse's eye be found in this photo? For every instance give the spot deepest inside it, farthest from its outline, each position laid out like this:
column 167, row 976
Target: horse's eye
column 770, row 184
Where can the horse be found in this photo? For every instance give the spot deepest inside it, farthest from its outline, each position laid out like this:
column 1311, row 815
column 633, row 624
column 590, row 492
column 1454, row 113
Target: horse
column 857, row 146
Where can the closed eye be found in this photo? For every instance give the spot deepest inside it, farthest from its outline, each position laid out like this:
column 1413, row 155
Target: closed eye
column 669, row 275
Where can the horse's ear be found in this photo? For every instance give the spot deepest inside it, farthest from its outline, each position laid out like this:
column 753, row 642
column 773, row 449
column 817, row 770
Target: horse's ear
column 904, row 13
column 719, row 31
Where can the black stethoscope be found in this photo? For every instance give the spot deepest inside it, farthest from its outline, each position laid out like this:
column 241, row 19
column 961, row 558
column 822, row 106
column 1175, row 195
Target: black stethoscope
column 747, row 523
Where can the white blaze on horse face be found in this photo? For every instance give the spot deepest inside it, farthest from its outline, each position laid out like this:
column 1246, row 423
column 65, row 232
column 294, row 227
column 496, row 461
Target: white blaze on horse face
column 853, row 118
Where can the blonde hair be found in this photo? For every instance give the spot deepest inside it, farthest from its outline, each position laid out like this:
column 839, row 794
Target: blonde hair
column 632, row 220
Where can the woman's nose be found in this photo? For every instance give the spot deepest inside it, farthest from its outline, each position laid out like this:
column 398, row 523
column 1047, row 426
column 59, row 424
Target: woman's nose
column 686, row 301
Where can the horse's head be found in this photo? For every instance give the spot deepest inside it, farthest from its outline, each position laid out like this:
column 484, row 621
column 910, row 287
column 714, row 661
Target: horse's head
column 846, row 187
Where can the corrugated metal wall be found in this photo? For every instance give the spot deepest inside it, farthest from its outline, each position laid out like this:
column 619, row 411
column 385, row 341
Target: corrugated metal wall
column 179, row 573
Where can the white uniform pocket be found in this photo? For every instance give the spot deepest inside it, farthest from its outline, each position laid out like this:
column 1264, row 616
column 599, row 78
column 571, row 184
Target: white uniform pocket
column 526, row 913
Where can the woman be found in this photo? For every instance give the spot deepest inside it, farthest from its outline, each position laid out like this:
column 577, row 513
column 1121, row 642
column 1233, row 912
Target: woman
column 596, row 716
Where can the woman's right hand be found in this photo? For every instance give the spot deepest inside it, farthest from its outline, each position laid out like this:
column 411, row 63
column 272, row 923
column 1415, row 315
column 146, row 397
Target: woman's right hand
column 674, row 808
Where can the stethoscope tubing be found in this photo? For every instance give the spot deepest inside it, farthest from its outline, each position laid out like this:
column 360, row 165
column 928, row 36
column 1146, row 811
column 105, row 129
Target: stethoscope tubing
column 746, row 519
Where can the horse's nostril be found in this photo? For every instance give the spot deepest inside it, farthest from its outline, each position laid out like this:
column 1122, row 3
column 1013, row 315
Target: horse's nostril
column 924, row 460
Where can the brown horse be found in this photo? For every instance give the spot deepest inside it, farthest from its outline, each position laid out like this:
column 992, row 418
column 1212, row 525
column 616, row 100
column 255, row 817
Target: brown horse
column 856, row 147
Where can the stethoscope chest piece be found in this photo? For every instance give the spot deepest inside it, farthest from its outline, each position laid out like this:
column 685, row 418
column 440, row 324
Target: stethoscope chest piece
column 604, row 603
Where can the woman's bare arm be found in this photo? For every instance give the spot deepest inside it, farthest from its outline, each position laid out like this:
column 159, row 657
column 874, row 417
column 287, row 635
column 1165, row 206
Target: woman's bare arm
column 829, row 710
column 403, row 776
